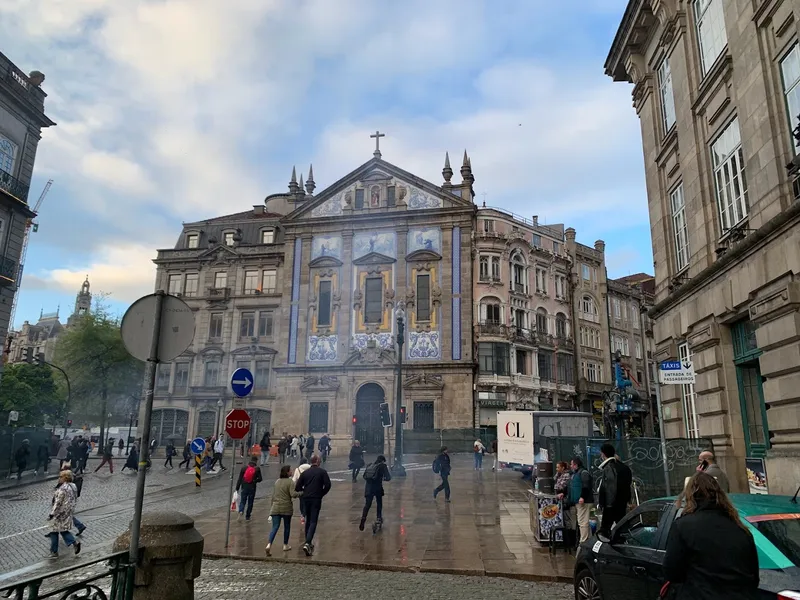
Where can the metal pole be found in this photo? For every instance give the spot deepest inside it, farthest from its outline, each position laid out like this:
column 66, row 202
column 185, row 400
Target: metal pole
column 130, row 429
column 197, row 470
column 230, row 495
column 663, row 435
column 144, row 450
column 69, row 392
column 398, row 469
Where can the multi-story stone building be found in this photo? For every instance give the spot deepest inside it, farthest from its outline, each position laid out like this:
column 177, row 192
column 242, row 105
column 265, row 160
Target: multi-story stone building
column 42, row 337
column 306, row 290
column 21, row 121
column 523, row 326
column 716, row 88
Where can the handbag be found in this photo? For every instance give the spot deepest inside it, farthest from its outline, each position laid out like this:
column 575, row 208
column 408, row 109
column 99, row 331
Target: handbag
column 234, row 501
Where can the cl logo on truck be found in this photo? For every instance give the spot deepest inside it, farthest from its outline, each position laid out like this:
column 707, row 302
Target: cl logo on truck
column 512, row 430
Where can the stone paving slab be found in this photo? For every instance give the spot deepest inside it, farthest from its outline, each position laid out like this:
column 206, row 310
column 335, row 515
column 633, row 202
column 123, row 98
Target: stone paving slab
column 485, row 530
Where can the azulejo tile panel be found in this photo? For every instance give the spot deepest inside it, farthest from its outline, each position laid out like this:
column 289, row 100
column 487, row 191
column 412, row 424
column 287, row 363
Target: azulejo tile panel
column 383, row 340
column 427, row 238
column 322, row 348
column 382, row 243
column 417, row 199
column 329, row 208
column 424, row 345
column 326, row 245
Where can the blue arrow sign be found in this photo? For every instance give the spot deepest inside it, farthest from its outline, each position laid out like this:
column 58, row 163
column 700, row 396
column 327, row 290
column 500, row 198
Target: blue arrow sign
column 242, row 382
column 671, row 365
column 198, row 445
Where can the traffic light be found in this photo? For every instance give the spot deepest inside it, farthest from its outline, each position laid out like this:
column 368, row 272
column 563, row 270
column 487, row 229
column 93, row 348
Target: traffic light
column 386, row 416
column 69, row 422
column 403, row 414
column 40, row 359
column 355, row 419
column 29, row 355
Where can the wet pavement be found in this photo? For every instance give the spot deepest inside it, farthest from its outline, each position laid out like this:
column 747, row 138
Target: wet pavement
column 485, row 530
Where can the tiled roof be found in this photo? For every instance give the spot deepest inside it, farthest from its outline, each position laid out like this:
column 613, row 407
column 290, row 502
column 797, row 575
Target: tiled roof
column 241, row 216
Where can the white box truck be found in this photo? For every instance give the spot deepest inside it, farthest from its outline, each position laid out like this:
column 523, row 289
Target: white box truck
column 519, row 433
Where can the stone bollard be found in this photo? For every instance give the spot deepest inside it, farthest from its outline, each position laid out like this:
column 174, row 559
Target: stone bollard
column 171, row 554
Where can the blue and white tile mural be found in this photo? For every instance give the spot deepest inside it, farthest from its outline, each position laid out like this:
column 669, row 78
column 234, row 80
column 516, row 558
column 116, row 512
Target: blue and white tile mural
column 424, row 344
column 425, row 239
column 326, row 245
column 383, row 340
column 322, row 348
column 382, row 243
column 330, row 208
column 417, row 199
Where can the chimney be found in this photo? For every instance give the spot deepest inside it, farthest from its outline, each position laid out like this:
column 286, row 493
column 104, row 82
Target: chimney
column 535, row 220
column 259, row 209
column 600, row 246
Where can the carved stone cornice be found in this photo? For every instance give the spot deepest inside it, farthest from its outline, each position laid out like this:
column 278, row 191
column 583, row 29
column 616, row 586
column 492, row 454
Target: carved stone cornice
column 317, row 383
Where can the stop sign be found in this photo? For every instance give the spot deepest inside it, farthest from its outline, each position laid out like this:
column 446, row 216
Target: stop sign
column 237, row 424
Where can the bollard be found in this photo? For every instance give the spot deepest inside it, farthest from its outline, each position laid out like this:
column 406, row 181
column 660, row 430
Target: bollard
column 171, row 552
column 197, row 470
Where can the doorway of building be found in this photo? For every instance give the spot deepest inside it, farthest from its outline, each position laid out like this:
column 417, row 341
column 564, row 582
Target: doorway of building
column 368, row 428
column 751, row 392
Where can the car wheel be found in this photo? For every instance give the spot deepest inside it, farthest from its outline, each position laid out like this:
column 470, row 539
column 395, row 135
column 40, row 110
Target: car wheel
column 586, row 587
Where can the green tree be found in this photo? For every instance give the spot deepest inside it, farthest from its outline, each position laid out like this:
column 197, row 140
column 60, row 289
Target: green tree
column 99, row 367
column 30, row 390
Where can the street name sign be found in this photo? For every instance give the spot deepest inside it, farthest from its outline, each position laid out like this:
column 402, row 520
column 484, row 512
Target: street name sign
column 676, row 372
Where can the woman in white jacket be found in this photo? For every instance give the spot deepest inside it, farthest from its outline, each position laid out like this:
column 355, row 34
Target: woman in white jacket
column 304, row 466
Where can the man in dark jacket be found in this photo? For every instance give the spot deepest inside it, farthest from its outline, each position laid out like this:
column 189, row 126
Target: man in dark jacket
column 42, row 458
column 615, row 488
column 375, row 474
column 249, row 478
column 442, row 466
column 708, row 464
column 309, row 445
column 315, row 484
column 265, row 444
column 21, row 457
column 581, row 496
column 324, row 447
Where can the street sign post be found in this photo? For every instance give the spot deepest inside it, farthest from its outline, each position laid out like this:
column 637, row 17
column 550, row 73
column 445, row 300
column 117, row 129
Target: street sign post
column 237, row 425
column 156, row 328
column 676, row 372
column 198, row 445
column 242, row 382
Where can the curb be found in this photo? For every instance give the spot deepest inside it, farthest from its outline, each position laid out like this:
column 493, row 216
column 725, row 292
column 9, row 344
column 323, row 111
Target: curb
column 395, row 568
column 25, row 482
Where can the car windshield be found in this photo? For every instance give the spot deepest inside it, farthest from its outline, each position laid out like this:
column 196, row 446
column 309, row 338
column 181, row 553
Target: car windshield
column 783, row 531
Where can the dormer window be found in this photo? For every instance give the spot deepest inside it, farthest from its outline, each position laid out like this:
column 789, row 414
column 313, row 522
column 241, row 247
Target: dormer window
column 228, row 238
column 192, row 240
column 268, row 236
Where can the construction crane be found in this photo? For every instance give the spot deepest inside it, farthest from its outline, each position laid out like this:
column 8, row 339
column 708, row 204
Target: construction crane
column 31, row 226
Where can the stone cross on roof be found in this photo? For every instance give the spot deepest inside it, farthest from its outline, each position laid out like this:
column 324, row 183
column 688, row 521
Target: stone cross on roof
column 377, row 135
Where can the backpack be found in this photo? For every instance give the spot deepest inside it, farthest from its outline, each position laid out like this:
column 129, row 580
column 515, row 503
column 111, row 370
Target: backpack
column 371, row 473
column 249, row 474
column 436, row 465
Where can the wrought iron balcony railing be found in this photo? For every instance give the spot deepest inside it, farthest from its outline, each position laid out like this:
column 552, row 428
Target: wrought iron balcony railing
column 13, row 186
column 100, row 579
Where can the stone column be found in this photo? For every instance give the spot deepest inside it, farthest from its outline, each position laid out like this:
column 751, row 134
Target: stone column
column 171, row 554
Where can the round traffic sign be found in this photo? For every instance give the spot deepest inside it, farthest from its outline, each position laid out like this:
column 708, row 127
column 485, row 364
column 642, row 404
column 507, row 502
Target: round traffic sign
column 198, row 445
column 177, row 327
column 237, row 424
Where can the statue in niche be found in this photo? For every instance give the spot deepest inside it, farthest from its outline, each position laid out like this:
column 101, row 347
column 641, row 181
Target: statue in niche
column 374, row 196
column 348, row 198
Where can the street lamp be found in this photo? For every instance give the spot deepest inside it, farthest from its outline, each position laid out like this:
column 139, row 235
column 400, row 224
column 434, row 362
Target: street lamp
column 397, row 469
column 130, row 429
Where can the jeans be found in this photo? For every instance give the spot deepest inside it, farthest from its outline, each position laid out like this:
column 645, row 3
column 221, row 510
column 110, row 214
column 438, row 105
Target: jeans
column 368, row 505
column 444, row 486
column 313, row 506
column 264, row 457
column 69, row 540
column 281, row 457
column 356, row 471
column 303, row 511
column 246, row 498
column 217, row 459
column 478, row 460
column 287, row 527
column 78, row 524
column 583, row 511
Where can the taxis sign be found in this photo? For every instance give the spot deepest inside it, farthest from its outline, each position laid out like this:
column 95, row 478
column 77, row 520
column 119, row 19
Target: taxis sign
column 676, row 372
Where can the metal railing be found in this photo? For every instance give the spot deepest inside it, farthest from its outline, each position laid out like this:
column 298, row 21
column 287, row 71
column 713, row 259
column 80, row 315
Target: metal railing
column 416, row 441
column 104, row 578
column 13, row 186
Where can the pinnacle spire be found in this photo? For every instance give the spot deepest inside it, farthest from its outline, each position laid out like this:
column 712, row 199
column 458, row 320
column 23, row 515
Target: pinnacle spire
column 447, row 172
column 466, row 170
column 310, row 185
column 465, row 162
column 301, row 185
column 294, row 173
column 293, row 187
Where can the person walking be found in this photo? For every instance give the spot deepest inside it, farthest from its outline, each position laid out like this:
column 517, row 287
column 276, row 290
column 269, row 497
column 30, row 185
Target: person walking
column 282, row 450
column 153, row 446
column 711, row 555
column 302, row 468
column 61, row 514
column 249, row 478
column 121, row 446
column 219, row 448
column 310, row 441
column 265, row 444
column 63, row 452
column 494, row 454
column 478, row 450
column 314, row 484
column 374, row 476
column 169, row 452
column 42, row 458
column 324, row 447
column 356, row 459
column 301, row 445
column 187, row 456
column 74, row 456
column 282, row 508
column 294, row 446
column 132, row 462
column 21, row 457
column 708, row 464
column 581, row 497
column 108, row 457
column 84, row 449
column 441, row 465
column 615, row 488
column 77, row 480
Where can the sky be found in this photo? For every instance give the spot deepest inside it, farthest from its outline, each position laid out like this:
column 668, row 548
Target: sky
column 170, row 111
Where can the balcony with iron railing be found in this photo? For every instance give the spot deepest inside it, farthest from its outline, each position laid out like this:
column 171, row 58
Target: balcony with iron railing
column 20, row 83
column 13, row 186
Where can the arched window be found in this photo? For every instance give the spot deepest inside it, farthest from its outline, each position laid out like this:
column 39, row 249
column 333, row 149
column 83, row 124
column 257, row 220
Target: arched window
column 588, row 309
column 561, row 325
column 491, row 311
column 519, row 273
column 541, row 320
column 8, row 152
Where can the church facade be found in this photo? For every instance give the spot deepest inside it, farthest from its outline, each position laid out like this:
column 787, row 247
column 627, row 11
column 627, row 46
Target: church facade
column 309, row 291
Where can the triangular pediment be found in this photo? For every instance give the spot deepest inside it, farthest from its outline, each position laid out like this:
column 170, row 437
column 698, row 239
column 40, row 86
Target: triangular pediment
column 322, row 383
column 253, row 349
column 412, row 193
column 424, row 382
column 325, row 261
column 423, row 256
column 374, row 258
column 370, row 357
column 219, row 253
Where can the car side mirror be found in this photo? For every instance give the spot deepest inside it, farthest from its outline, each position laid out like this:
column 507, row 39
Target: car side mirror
column 604, row 538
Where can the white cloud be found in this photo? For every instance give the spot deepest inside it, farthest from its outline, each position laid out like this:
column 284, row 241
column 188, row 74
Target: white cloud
column 117, row 172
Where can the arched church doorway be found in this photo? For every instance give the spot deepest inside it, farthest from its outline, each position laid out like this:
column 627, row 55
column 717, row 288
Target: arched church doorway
column 368, row 417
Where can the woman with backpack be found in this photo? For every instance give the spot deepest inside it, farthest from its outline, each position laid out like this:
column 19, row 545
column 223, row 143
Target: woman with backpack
column 302, row 468
column 356, row 459
column 282, row 508
column 249, row 478
column 375, row 474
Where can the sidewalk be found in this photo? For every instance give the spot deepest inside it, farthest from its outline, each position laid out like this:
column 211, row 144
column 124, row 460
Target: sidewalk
column 484, row 531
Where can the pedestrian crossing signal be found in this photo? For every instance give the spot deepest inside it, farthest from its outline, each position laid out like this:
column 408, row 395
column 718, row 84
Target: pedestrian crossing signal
column 355, row 419
column 386, row 416
column 403, row 414
column 69, row 422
